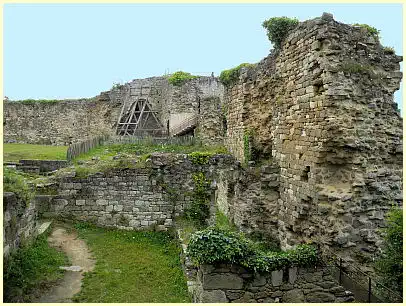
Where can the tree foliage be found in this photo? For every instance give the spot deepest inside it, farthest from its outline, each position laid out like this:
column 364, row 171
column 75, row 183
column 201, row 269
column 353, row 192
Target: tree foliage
column 390, row 264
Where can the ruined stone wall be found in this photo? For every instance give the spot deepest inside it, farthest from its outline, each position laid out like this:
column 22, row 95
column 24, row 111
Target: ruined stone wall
column 226, row 283
column 58, row 123
column 210, row 128
column 322, row 111
column 67, row 121
column 19, row 222
column 146, row 196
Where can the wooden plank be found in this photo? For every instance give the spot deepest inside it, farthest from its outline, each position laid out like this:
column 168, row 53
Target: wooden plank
column 131, row 116
column 139, row 118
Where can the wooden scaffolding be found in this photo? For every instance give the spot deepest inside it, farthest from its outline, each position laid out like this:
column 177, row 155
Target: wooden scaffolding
column 137, row 117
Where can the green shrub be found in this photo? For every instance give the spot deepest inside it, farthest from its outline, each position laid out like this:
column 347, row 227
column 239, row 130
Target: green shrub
column 390, row 264
column 230, row 76
column 17, row 182
column 200, row 158
column 371, row 30
column 216, row 245
column 30, row 268
column 278, row 28
column 178, row 78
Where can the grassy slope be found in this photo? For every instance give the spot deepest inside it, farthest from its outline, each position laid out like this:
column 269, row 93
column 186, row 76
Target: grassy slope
column 132, row 267
column 17, row 151
column 31, row 269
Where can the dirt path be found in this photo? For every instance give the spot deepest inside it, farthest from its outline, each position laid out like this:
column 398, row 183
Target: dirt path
column 80, row 258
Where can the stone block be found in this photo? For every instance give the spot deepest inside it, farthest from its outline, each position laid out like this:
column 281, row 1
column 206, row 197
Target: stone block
column 134, row 223
column 258, row 281
column 222, row 281
column 293, row 296
column 292, row 275
column 213, row 296
column 277, row 277
column 102, row 202
column 80, row 202
column 320, row 297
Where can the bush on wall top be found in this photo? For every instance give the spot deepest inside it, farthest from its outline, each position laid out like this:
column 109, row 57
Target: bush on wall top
column 180, row 77
column 371, row 30
column 278, row 28
column 214, row 245
column 229, row 76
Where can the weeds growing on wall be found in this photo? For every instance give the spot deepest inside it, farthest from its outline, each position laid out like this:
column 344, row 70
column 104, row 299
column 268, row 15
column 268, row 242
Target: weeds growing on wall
column 199, row 208
column 215, row 245
column 371, row 30
column 278, row 28
column 180, row 77
column 230, row 76
column 17, row 182
column 201, row 158
column 31, row 268
column 389, row 50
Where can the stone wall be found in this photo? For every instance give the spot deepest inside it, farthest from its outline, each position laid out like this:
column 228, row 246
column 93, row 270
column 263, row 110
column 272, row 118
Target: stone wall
column 225, row 283
column 321, row 111
column 70, row 121
column 145, row 196
column 211, row 126
column 19, row 222
column 59, row 123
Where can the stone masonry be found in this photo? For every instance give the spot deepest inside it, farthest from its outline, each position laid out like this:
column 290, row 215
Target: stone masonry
column 20, row 222
column 147, row 196
column 70, row 121
column 321, row 112
column 225, row 283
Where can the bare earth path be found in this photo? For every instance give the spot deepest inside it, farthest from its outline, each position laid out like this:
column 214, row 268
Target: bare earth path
column 79, row 256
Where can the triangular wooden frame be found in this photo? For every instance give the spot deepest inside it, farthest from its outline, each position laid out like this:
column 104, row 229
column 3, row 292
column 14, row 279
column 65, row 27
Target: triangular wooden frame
column 135, row 118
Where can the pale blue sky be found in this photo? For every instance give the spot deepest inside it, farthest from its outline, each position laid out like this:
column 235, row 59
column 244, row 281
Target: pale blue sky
column 71, row 50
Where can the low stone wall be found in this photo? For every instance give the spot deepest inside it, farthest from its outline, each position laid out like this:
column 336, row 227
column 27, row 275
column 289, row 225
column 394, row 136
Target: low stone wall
column 19, row 222
column 44, row 165
column 137, row 198
column 225, row 283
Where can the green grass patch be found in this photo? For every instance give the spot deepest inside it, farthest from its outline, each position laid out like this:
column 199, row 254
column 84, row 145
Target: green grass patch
column 17, row 182
column 132, row 267
column 107, row 152
column 31, row 269
column 13, row 152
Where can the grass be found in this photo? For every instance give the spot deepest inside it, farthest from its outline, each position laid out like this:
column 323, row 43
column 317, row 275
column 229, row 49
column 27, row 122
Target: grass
column 15, row 151
column 107, row 152
column 18, row 182
column 132, row 267
column 31, row 269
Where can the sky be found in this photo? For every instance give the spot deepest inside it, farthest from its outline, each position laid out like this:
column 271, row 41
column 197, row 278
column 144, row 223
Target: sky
column 59, row 51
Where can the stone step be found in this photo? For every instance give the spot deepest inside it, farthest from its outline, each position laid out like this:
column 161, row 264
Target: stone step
column 72, row 268
column 43, row 227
